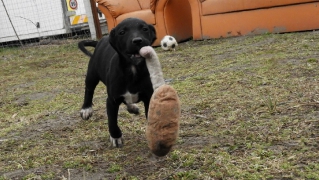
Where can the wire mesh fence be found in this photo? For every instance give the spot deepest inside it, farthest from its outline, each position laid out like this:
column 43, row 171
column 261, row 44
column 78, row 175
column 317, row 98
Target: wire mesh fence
column 38, row 22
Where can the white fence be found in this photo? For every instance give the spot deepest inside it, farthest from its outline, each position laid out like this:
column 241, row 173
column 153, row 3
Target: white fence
column 24, row 21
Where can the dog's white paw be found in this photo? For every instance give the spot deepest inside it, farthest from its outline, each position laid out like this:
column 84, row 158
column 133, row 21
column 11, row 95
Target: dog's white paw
column 132, row 108
column 116, row 142
column 86, row 113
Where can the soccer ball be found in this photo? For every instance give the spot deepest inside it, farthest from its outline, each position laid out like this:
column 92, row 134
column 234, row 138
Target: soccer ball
column 168, row 43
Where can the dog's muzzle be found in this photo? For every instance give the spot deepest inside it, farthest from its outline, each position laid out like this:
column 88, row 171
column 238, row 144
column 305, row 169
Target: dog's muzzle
column 136, row 58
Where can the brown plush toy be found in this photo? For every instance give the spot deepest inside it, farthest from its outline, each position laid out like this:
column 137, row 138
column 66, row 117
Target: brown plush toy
column 164, row 109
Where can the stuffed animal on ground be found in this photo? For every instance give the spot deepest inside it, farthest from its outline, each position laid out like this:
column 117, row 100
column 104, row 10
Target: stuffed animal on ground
column 164, row 109
column 168, row 43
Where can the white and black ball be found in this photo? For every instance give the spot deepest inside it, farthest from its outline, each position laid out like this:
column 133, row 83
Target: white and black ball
column 168, row 43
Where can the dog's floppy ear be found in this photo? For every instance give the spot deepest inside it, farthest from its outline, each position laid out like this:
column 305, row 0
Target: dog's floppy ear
column 112, row 38
column 152, row 33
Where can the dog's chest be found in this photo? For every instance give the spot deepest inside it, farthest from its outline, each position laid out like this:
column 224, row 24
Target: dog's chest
column 130, row 98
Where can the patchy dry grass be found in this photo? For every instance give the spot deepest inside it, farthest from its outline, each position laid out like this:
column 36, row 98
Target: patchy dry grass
column 250, row 110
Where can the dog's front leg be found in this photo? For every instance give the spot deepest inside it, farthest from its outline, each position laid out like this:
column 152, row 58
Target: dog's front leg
column 112, row 108
column 147, row 103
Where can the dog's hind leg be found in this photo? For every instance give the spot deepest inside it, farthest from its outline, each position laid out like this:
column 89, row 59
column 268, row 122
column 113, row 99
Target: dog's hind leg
column 90, row 84
column 112, row 108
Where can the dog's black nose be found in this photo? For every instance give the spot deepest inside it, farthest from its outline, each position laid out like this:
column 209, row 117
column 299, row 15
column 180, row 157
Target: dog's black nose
column 137, row 40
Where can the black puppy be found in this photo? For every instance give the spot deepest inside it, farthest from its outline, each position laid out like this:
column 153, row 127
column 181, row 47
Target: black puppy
column 117, row 63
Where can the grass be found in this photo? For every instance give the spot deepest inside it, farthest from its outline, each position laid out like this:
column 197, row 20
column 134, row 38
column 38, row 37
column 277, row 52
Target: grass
column 250, row 108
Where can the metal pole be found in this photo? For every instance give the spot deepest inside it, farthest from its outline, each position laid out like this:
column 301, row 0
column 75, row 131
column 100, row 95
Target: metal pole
column 66, row 18
column 96, row 20
column 93, row 20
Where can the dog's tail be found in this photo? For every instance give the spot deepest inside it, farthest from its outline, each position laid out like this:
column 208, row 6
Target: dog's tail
column 84, row 43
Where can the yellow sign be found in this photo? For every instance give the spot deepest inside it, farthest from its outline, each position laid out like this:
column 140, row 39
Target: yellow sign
column 78, row 19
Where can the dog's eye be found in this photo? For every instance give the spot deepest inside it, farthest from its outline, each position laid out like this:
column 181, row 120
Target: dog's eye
column 122, row 32
column 145, row 29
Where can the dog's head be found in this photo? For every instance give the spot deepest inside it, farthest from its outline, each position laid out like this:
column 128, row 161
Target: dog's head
column 129, row 36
